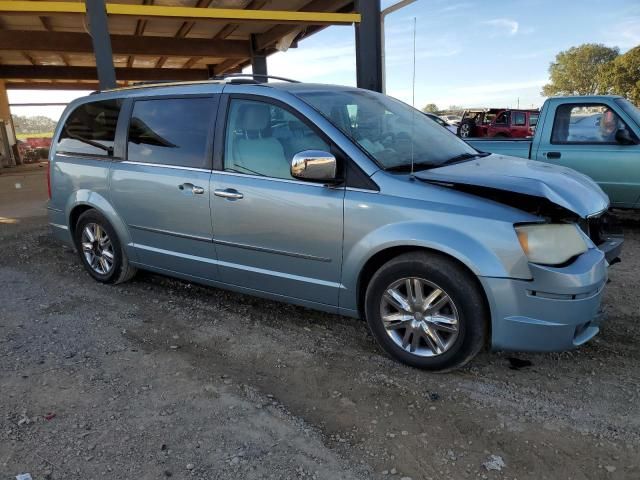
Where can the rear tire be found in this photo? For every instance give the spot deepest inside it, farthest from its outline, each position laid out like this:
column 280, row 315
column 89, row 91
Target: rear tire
column 457, row 314
column 100, row 249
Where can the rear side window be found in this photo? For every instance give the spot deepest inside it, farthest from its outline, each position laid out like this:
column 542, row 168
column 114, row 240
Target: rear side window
column 519, row 119
column 91, row 129
column 533, row 119
column 171, row 131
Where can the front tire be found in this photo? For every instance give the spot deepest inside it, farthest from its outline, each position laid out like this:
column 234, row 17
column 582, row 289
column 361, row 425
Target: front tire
column 100, row 250
column 426, row 311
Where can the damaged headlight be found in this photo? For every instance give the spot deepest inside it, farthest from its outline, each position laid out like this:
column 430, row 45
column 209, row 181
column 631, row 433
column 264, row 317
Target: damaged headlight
column 551, row 243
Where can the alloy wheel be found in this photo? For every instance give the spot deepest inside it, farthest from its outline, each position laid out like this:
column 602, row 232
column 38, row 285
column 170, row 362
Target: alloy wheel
column 419, row 317
column 97, row 248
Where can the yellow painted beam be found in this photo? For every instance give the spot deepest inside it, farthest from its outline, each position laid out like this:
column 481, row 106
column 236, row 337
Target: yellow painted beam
column 182, row 13
column 52, row 8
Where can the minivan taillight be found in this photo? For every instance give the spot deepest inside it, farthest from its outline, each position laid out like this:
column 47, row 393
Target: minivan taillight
column 49, row 179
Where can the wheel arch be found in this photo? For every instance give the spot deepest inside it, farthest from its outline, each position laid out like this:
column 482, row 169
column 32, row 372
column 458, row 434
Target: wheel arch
column 376, row 261
column 84, row 200
column 74, row 215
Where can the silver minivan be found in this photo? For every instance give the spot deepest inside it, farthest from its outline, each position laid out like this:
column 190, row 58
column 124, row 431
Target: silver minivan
column 337, row 199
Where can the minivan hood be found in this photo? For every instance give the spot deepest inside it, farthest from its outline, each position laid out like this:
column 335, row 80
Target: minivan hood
column 563, row 186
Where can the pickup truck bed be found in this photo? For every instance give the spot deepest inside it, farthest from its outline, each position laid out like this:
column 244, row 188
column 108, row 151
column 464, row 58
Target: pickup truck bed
column 514, row 147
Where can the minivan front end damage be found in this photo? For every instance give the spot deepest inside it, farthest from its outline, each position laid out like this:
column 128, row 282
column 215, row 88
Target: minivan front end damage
column 555, row 194
column 558, row 308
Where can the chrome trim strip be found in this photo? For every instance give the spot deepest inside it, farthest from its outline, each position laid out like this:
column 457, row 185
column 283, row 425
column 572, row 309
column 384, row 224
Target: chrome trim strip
column 57, row 225
column 271, row 250
column 231, row 244
column 273, row 179
column 89, row 156
column 173, row 167
column 173, row 234
column 54, row 209
column 281, row 275
column 173, row 253
column 363, row 190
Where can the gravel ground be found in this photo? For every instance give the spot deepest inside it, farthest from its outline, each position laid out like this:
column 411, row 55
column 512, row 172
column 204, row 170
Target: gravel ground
column 159, row 378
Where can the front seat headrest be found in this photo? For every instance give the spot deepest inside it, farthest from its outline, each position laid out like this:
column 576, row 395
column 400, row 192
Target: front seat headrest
column 252, row 117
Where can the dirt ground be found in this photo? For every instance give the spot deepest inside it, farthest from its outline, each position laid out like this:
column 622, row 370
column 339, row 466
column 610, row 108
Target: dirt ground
column 159, row 378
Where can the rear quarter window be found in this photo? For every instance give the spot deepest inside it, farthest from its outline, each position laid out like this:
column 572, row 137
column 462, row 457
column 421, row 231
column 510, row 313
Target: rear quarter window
column 90, row 129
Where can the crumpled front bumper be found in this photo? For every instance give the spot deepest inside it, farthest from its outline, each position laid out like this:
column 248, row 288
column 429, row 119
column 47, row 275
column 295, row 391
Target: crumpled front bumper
column 557, row 310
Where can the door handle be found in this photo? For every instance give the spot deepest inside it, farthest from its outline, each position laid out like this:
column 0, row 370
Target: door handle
column 194, row 188
column 553, row 154
column 228, row 193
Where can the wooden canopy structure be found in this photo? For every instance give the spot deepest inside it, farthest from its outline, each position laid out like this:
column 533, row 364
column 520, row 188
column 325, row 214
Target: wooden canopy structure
column 81, row 44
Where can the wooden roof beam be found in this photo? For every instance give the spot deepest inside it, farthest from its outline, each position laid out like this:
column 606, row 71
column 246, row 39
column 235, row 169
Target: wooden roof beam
column 39, row 72
column 228, row 29
column 67, row 42
column 51, row 86
column 270, row 37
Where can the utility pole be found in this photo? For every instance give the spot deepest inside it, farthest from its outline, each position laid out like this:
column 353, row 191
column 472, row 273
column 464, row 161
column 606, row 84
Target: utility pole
column 393, row 8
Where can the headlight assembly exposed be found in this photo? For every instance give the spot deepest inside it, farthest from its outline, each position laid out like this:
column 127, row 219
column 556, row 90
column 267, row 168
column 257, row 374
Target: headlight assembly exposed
column 551, row 243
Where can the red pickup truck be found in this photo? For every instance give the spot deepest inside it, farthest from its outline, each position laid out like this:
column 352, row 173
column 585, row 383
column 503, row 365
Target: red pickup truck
column 498, row 122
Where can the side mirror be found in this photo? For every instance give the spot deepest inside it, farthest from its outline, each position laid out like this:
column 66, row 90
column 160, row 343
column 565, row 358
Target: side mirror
column 314, row 166
column 625, row 137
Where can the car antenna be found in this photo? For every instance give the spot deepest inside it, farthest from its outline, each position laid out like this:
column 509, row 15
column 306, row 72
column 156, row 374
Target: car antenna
column 413, row 100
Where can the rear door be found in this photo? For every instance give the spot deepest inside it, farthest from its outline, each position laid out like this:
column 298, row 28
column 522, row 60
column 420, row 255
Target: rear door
column 519, row 128
column 274, row 233
column 161, row 189
column 582, row 137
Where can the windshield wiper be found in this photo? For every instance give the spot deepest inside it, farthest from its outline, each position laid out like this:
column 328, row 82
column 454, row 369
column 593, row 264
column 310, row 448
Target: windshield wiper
column 406, row 167
column 109, row 150
column 463, row 157
column 417, row 166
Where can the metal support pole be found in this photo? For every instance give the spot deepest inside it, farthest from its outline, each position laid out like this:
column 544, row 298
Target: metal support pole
column 258, row 61
column 99, row 30
column 383, row 16
column 369, row 46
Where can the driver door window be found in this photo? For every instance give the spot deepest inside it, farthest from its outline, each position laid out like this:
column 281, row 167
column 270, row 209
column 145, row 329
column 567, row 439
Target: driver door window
column 502, row 119
column 585, row 124
column 262, row 138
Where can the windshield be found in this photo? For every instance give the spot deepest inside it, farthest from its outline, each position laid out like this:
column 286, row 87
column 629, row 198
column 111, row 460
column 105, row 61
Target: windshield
column 391, row 132
column 630, row 109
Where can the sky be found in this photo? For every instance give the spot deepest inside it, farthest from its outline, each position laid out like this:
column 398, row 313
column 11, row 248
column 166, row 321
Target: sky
column 475, row 53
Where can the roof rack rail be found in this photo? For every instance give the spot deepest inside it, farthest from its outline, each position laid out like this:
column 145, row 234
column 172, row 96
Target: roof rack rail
column 151, row 82
column 248, row 76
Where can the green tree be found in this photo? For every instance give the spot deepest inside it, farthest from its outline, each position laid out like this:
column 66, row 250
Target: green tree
column 622, row 75
column 431, row 108
column 37, row 124
column 579, row 70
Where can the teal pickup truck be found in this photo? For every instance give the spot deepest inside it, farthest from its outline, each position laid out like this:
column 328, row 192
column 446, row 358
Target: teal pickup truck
column 596, row 135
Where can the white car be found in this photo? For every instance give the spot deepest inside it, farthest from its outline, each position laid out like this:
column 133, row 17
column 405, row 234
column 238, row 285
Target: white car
column 452, row 119
column 441, row 121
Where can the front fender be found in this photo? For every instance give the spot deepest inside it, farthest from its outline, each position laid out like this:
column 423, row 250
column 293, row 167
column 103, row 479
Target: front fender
column 100, row 203
column 503, row 259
